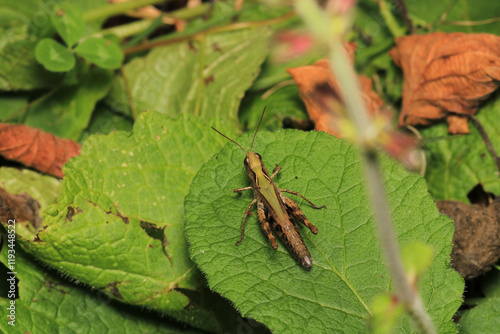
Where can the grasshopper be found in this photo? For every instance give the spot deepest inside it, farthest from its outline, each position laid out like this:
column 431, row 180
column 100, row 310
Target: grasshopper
column 273, row 208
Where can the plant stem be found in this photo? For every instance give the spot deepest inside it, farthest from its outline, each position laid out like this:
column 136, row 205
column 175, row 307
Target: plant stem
column 486, row 138
column 125, row 30
column 136, row 27
column 389, row 19
column 389, row 245
column 116, row 9
column 366, row 133
column 213, row 30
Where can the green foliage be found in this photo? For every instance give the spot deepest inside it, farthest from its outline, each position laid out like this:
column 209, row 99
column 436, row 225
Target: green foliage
column 104, row 53
column 66, row 113
column 118, row 223
column 443, row 15
column 282, row 104
column 206, row 78
column 416, row 257
column 455, row 164
column 43, row 188
column 481, row 319
column 69, row 24
column 10, row 104
column 104, row 121
column 54, row 56
column 22, row 25
column 386, row 311
column 348, row 270
column 48, row 304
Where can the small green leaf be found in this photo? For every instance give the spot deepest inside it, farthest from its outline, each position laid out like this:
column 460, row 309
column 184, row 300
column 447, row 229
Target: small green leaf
column 348, row 270
column 416, row 257
column 68, row 21
column 482, row 319
column 54, row 56
column 386, row 311
column 102, row 52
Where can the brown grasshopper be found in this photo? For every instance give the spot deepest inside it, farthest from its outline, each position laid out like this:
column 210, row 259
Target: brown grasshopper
column 273, row 208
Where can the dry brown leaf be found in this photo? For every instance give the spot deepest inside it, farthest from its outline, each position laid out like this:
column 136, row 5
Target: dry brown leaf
column 35, row 148
column 446, row 73
column 22, row 208
column 476, row 246
column 321, row 95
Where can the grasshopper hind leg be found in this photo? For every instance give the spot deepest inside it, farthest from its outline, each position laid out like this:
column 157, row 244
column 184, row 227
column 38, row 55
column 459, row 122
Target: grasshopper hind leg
column 265, row 226
column 297, row 213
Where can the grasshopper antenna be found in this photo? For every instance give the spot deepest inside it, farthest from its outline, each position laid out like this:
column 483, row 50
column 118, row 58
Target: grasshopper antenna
column 223, row 135
column 258, row 126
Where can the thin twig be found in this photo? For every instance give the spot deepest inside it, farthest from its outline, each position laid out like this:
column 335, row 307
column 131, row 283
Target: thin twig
column 403, row 12
column 486, row 139
column 388, row 241
column 32, row 103
column 472, row 23
column 320, row 24
column 217, row 29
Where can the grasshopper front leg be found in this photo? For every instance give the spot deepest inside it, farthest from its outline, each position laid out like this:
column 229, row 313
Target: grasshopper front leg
column 276, row 171
column 247, row 212
column 240, row 190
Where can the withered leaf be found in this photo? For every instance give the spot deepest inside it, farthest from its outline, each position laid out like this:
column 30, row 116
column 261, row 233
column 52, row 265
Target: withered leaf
column 21, row 208
column 446, row 73
column 476, row 245
column 321, row 95
column 35, row 148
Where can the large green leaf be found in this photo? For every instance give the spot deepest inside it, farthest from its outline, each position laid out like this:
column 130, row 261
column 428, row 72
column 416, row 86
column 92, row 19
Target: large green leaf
column 455, row 164
column 47, row 304
column 118, row 223
column 67, row 112
column 206, row 78
column 348, row 269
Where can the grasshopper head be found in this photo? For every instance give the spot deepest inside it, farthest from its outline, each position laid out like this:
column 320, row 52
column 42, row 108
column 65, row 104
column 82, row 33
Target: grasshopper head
column 253, row 160
column 253, row 165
